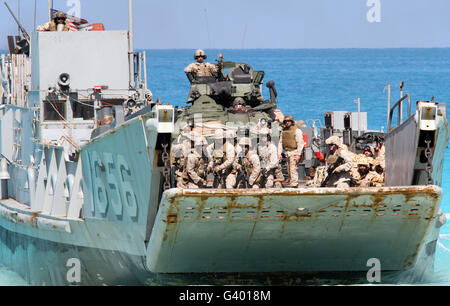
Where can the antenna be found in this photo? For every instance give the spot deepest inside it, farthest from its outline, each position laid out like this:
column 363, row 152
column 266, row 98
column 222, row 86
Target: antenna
column 18, row 15
column 35, row 10
column 130, row 42
column 50, row 6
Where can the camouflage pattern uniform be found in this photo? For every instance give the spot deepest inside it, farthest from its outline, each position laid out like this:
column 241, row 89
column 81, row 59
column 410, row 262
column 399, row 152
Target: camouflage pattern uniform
column 251, row 162
column 52, row 26
column 356, row 159
column 181, row 147
column 196, row 166
column 319, row 177
column 202, row 69
column 268, row 154
column 182, row 179
column 292, row 143
column 342, row 178
column 223, row 155
column 371, row 179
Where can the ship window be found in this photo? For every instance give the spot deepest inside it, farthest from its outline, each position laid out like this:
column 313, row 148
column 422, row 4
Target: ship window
column 54, row 111
column 83, row 110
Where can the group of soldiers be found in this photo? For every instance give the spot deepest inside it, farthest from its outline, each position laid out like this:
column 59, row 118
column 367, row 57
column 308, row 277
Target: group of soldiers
column 346, row 169
column 225, row 161
column 229, row 162
column 237, row 162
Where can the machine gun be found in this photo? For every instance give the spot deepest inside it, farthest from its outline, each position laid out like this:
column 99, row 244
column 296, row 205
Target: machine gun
column 217, row 176
column 220, row 68
column 369, row 140
column 205, row 170
column 24, row 32
column 264, row 177
column 330, row 171
column 243, row 175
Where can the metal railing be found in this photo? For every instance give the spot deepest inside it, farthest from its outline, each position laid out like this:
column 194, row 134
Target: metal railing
column 399, row 105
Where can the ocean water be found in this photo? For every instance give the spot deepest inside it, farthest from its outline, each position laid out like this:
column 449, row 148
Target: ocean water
column 311, row 82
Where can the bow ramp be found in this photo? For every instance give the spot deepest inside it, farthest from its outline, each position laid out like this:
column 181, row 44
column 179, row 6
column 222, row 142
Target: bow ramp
column 291, row 230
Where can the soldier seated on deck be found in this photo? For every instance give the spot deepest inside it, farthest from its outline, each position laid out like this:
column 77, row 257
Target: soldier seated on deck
column 59, row 24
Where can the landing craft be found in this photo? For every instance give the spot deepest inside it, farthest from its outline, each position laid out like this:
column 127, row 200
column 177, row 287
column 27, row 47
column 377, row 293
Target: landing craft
column 86, row 174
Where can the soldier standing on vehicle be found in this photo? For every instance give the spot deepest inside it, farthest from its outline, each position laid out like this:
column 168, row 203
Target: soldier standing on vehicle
column 268, row 154
column 197, row 164
column 247, row 166
column 339, row 165
column 59, row 24
column 201, row 68
column 292, row 143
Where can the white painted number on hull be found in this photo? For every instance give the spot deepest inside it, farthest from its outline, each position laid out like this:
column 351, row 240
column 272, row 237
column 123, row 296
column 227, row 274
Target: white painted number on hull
column 118, row 191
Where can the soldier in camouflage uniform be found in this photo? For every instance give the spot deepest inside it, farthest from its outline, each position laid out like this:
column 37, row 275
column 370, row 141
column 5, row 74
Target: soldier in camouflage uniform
column 341, row 177
column 366, row 177
column 292, row 143
column 222, row 157
column 268, row 154
column 201, row 68
column 182, row 179
column 52, row 26
column 251, row 162
column 181, row 147
column 197, row 164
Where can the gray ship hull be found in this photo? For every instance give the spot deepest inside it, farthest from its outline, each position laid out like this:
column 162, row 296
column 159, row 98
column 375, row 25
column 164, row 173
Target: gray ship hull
column 124, row 230
column 258, row 250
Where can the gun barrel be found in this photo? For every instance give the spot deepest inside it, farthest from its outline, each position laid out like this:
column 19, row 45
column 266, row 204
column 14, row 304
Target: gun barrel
column 24, row 32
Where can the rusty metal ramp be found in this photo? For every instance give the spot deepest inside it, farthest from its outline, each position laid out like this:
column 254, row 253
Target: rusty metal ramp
column 292, row 230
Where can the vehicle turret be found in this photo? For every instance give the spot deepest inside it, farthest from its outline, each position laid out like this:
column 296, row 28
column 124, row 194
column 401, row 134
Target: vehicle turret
column 233, row 94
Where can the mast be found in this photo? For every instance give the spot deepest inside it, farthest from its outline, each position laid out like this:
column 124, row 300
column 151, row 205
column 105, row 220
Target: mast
column 130, row 42
column 49, row 10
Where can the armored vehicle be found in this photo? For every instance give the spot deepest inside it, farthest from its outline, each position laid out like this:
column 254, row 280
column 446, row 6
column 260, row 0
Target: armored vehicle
column 86, row 178
column 233, row 95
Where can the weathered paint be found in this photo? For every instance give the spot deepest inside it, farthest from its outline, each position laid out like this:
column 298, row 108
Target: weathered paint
column 293, row 230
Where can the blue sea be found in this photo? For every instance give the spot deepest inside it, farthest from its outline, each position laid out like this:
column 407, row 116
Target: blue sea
column 311, row 82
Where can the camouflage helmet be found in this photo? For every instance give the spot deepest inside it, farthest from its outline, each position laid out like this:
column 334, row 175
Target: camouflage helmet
column 59, row 15
column 200, row 53
column 218, row 154
column 289, row 118
column 239, row 101
column 364, row 162
column 334, row 140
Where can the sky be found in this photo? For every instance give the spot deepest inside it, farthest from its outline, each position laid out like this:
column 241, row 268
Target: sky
column 252, row 24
